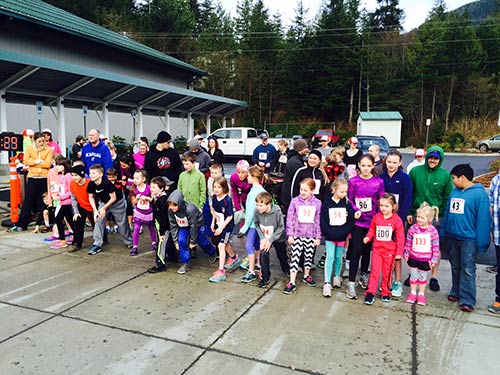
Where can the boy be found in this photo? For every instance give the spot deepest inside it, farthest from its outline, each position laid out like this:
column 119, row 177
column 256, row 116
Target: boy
column 187, row 228
column 271, row 230
column 192, row 182
column 466, row 224
column 118, row 184
column 104, row 198
column 80, row 204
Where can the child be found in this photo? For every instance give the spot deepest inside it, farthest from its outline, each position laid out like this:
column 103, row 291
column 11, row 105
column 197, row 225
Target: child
column 188, row 229
column 466, row 227
column 192, row 182
column 271, row 230
column 240, row 188
column 80, row 204
column 46, row 217
column 421, row 251
column 104, row 198
column 303, row 231
column 364, row 190
column 215, row 171
column 222, row 226
column 252, row 246
column 166, row 249
column 61, row 200
column 335, row 167
column 140, row 196
column 388, row 234
column 337, row 222
column 113, row 178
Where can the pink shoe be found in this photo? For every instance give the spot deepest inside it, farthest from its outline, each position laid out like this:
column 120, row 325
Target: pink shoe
column 58, row 244
column 421, row 300
column 412, row 298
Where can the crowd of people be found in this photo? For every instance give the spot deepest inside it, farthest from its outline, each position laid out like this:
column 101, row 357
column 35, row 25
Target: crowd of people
column 371, row 214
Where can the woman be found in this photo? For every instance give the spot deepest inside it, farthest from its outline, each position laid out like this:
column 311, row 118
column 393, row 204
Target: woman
column 314, row 171
column 140, row 155
column 216, row 154
column 50, row 142
column 280, row 159
column 352, row 156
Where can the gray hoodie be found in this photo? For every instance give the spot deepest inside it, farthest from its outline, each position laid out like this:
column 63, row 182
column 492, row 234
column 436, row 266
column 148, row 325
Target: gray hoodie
column 272, row 219
column 187, row 211
column 202, row 157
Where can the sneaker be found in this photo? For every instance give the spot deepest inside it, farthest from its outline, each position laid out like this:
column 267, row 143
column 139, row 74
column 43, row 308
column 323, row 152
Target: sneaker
column 434, row 285
column 217, row 277
column 51, row 239
column 68, row 233
column 116, row 229
column 69, row 240
column 45, row 229
column 369, row 299
column 452, row 298
column 495, row 308
column 407, row 281
column 15, row 229
column 130, row 246
column 212, row 258
column 421, row 300
column 492, row 269
column 185, row 267
column 75, row 248
column 466, row 308
column 386, row 299
column 309, row 281
column 59, row 244
column 134, row 251
column 327, row 290
column 244, row 264
column 363, row 281
column 156, row 269
column 337, row 282
column 263, row 283
column 94, row 250
column 248, row 278
column 231, row 263
column 397, row 289
column 289, row 288
column 321, row 263
column 412, row 298
column 350, row 292
column 108, row 230
column 154, row 247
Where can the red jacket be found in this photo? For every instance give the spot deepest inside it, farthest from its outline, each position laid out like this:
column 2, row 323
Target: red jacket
column 388, row 235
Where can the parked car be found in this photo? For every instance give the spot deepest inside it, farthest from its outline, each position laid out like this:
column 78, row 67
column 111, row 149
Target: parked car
column 492, row 144
column 334, row 138
column 365, row 141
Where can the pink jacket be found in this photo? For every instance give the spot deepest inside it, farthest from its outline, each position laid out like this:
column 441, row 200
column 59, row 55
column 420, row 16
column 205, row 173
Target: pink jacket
column 302, row 219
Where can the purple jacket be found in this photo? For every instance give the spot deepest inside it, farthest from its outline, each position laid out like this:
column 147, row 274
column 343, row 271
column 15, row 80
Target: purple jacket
column 364, row 194
column 302, row 219
column 239, row 190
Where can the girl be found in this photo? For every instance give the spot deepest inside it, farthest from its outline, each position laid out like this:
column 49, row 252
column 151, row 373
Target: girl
column 399, row 184
column 252, row 245
column 216, row 154
column 335, row 167
column 240, row 189
column 222, row 225
column 140, row 196
column 303, row 231
column 421, row 251
column 388, row 234
column 140, row 156
column 365, row 191
column 126, row 169
column 337, row 222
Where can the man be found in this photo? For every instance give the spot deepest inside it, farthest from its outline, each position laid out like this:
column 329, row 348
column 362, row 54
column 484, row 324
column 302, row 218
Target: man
column 96, row 152
column 203, row 159
column 295, row 162
column 163, row 160
column 324, row 148
column 76, row 150
column 431, row 184
column 374, row 150
column 264, row 153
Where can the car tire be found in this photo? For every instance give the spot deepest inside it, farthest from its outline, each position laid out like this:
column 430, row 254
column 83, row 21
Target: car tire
column 483, row 147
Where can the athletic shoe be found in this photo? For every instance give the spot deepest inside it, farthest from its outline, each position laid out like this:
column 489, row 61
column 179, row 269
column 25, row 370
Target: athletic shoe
column 337, row 282
column 309, row 281
column 397, row 289
column 289, row 288
column 350, row 292
column 386, row 299
column 494, row 308
column 231, row 263
column 130, row 246
column 154, row 247
column 134, row 251
column 492, row 269
column 412, row 298
column 407, row 281
column 263, row 283
column 363, row 281
column 466, row 308
column 185, row 267
column 327, row 290
column 116, row 229
column 108, row 230
column 421, row 300
column 156, row 269
column 94, row 250
column 45, row 229
column 212, row 258
column 217, row 277
column 74, row 248
column 452, row 298
column 248, row 278
column 369, row 299
column 321, row 263
column 59, row 244
column 434, row 285
column 244, row 264
column 51, row 239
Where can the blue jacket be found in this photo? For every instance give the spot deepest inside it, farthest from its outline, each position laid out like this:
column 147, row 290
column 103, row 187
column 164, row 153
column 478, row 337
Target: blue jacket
column 332, row 227
column 96, row 155
column 467, row 216
column 399, row 185
column 269, row 151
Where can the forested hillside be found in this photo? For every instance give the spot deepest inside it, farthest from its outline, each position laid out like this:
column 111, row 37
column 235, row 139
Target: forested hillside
column 345, row 61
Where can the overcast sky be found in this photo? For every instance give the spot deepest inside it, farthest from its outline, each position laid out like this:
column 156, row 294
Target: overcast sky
column 415, row 10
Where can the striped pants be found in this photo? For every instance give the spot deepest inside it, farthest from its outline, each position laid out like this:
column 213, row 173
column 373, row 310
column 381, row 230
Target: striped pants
column 301, row 245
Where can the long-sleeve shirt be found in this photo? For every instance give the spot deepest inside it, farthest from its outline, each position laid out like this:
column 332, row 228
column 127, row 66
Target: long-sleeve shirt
column 365, row 193
column 302, row 219
column 388, row 234
column 422, row 244
column 39, row 160
column 194, row 187
column 250, row 207
column 400, row 186
column 79, row 196
column 239, row 190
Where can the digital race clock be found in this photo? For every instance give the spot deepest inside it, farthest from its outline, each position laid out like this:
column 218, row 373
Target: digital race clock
column 11, row 142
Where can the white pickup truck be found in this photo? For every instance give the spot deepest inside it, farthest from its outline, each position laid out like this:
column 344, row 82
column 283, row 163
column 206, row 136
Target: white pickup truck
column 239, row 142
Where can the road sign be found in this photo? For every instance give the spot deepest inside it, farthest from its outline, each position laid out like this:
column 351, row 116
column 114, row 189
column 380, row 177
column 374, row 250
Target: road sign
column 85, row 110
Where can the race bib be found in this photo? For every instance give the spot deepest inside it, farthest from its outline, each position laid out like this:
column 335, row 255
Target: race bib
column 283, row 159
column 457, row 206
column 268, row 230
column 54, row 188
column 422, row 243
column 306, row 214
column 384, row 233
column 197, row 165
column 219, row 217
column 364, row 204
column 317, row 185
column 263, row 156
column 338, row 216
column 351, row 170
column 143, row 204
column 182, row 221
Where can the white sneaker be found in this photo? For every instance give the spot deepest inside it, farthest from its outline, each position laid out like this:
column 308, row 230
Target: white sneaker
column 327, row 290
column 350, row 292
column 337, row 282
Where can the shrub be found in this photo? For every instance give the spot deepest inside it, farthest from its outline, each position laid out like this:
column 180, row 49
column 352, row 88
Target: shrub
column 495, row 165
column 455, row 140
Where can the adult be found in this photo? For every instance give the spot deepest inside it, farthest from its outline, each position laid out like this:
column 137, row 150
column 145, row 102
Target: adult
column 324, row 147
column 432, row 184
column 38, row 158
column 295, row 161
column 419, row 159
column 163, row 160
column 140, row 156
column 202, row 161
column 112, row 150
column 27, row 138
column 215, row 153
column 76, row 149
column 280, row 159
column 199, row 138
column 313, row 170
column 96, row 152
column 374, row 150
column 50, row 141
column 352, row 156
column 264, row 153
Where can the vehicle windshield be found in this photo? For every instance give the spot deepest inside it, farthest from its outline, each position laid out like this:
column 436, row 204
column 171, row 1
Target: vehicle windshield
column 365, row 143
column 323, row 132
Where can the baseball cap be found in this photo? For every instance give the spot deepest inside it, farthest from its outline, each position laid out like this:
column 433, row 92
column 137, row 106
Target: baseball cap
column 419, row 152
column 47, row 130
column 434, row 154
column 263, row 136
column 197, row 136
column 353, row 140
column 324, row 138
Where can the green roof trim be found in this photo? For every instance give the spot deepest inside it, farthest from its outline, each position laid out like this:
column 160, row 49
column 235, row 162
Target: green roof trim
column 382, row 115
column 37, row 11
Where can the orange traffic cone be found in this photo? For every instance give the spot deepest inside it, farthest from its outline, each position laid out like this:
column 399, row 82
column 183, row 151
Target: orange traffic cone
column 15, row 191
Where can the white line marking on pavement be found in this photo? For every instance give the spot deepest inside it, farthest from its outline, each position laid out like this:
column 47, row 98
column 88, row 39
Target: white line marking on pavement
column 33, row 284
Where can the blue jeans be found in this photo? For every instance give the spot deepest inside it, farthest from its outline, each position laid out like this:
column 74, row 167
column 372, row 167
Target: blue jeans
column 184, row 243
column 463, row 255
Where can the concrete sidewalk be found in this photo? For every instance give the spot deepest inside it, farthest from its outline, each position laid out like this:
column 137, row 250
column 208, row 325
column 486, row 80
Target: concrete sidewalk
column 78, row 314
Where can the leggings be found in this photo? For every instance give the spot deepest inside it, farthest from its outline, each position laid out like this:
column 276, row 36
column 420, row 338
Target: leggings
column 359, row 251
column 137, row 228
column 63, row 212
column 301, row 245
column 334, row 251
